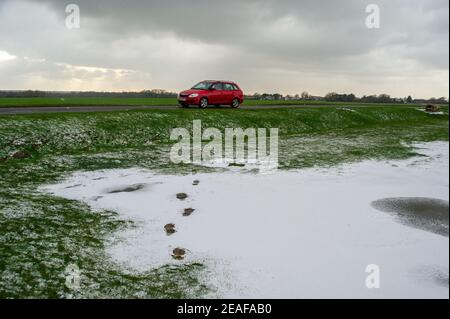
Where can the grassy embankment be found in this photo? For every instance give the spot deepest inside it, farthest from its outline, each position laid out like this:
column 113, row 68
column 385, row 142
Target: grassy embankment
column 41, row 234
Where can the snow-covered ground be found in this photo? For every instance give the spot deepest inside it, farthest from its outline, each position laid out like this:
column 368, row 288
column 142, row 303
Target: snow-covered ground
column 294, row 234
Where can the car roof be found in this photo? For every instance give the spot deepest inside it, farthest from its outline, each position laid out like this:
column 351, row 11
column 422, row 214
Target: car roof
column 222, row 81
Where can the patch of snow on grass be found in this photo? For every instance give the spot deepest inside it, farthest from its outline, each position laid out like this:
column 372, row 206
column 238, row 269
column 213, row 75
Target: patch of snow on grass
column 432, row 113
column 294, row 234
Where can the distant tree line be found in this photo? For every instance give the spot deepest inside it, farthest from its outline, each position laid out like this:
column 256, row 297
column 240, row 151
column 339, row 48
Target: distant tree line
column 336, row 97
column 55, row 94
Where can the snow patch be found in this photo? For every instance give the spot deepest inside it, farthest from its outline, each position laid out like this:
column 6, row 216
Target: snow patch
column 431, row 113
column 294, row 234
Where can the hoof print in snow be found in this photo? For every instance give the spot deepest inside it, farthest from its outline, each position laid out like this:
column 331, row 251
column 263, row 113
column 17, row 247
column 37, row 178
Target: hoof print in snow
column 188, row 211
column 170, row 229
column 178, row 253
column 196, row 182
column 182, row 196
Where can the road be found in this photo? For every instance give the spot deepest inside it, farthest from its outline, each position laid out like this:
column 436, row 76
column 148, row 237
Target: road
column 78, row 109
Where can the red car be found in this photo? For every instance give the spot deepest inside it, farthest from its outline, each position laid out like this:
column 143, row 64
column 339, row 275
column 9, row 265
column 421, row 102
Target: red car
column 212, row 93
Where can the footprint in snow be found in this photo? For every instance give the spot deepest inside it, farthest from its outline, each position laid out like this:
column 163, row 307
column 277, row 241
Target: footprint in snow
column 178, row 253
column 170, row 229
column 188, row 211
column 182, row 196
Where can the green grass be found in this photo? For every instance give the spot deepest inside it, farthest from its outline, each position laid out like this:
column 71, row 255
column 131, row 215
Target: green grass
column 41, row 234
column 20, row 102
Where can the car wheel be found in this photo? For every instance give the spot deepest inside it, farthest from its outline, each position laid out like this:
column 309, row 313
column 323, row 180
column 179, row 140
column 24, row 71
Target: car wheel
column 235, row 103
column 203, row 103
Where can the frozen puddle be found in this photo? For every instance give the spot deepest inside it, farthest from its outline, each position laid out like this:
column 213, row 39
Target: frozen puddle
column 295, row 234
column 424, row 213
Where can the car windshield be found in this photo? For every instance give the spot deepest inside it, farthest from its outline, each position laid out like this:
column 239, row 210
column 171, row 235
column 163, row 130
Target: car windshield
column 205, row 85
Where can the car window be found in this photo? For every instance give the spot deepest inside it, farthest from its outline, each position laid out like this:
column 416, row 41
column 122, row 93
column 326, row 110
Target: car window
column 218, row 86
column 202, row 85
column 235, row 87
column 228, row 87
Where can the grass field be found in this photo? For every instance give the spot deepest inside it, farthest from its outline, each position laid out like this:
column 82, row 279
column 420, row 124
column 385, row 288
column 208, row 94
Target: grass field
column 40, row 234
column 19, row 102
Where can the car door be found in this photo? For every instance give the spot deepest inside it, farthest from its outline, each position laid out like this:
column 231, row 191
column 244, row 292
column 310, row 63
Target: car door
column 216, row 95
column 228, row 94
column 238, row 92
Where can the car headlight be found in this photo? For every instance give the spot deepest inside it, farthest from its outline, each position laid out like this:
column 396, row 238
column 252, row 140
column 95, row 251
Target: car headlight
column 193, row 95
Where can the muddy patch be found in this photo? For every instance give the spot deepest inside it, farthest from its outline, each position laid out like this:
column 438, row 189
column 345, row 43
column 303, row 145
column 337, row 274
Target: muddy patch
column 74, row 186
column 126, row 189
column 236, row 165
column 419, row 212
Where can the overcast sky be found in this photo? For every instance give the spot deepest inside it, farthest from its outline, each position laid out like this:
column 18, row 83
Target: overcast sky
column 265, row 45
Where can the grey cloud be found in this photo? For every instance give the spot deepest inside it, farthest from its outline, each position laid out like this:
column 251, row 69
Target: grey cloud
column 320, row 29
